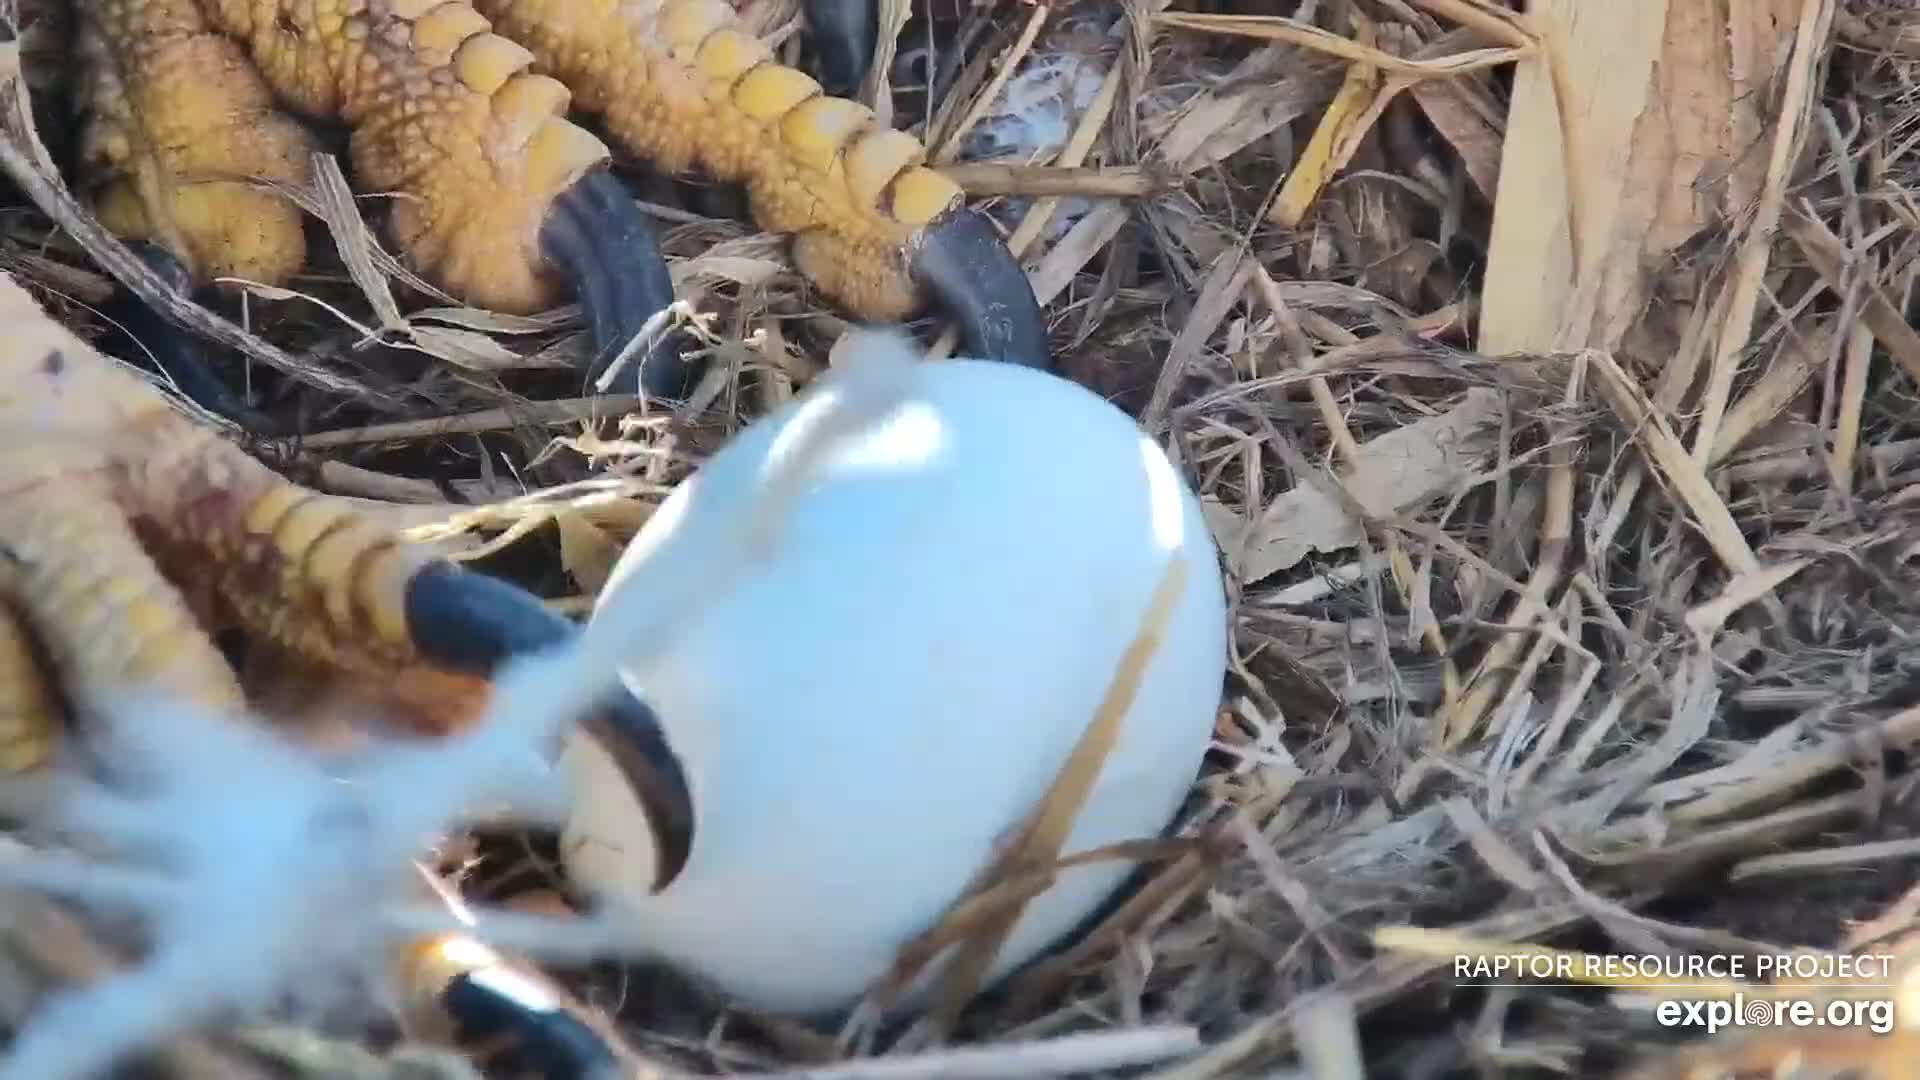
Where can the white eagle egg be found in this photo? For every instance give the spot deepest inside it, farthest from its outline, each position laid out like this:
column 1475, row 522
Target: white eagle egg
column 867, row 713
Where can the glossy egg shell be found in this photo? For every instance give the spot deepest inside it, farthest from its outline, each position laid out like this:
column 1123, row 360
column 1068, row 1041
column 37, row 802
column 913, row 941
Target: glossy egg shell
column 871, row 711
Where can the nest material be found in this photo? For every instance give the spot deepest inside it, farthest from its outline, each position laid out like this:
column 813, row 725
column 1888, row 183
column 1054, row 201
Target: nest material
column 1564, row 479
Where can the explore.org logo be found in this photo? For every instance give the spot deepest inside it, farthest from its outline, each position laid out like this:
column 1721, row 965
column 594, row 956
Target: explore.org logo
column 1714, row 1014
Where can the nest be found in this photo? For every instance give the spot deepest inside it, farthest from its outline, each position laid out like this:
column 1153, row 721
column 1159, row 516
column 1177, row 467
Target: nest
column 1549, row 386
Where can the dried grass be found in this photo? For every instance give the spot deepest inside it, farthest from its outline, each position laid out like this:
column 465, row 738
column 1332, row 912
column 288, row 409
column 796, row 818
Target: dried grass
column 1528, row 369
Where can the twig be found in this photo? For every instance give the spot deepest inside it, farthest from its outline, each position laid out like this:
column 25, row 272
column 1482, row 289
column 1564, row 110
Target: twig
column 1688, row 478
column 1824, row 250
column 641, row 344
column 950, row 144
column 1853, row 396
column 1068, row 1055
column 1774, row 392
column 1757, row 246
column 1219, row 294
column 1463, row 715
column 1495, row 23
column 560, row 411
column 1383, row 976
column 1110, row 182
column 1348, row 449
column 1896, row 732
column 1292, row 32
column 1793, row 862
column 1362, row 96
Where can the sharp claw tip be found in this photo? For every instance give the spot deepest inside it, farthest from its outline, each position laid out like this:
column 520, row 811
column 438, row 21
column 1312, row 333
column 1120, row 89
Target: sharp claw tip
column 600, row 241
column 631, row 736
column 963, row 263
column 470, row 622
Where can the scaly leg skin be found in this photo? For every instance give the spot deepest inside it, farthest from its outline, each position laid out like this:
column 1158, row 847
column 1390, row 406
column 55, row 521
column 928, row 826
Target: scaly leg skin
column 180, row 125
column 112, row 498
column 29, row 706
column 93, row 598
column 179, row 128
column 681, row 83
column 494, row 194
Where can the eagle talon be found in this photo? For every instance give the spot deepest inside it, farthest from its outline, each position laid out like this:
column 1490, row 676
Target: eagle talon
column 601, row 241
column 464, row 107
column 844, row 34
column 965, row 266
column 490, row 1004
column 115, row 502
column 472, row 623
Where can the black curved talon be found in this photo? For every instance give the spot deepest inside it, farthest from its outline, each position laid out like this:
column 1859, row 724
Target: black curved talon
column 469, row 622
column 521, row 1030
column 597, row 236
column 962, row 262
column 172, row 347
column 844, row 34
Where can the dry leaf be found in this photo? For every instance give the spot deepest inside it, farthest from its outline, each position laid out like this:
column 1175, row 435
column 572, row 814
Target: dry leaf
column 335, row 204
column 1214, row 125
column 1394, row 474
column 494, row 322
column 587, row 552
column 1276, row 28
column 1088, row 237
column 738, row 269
column 468, row 348
column 1465, row 113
